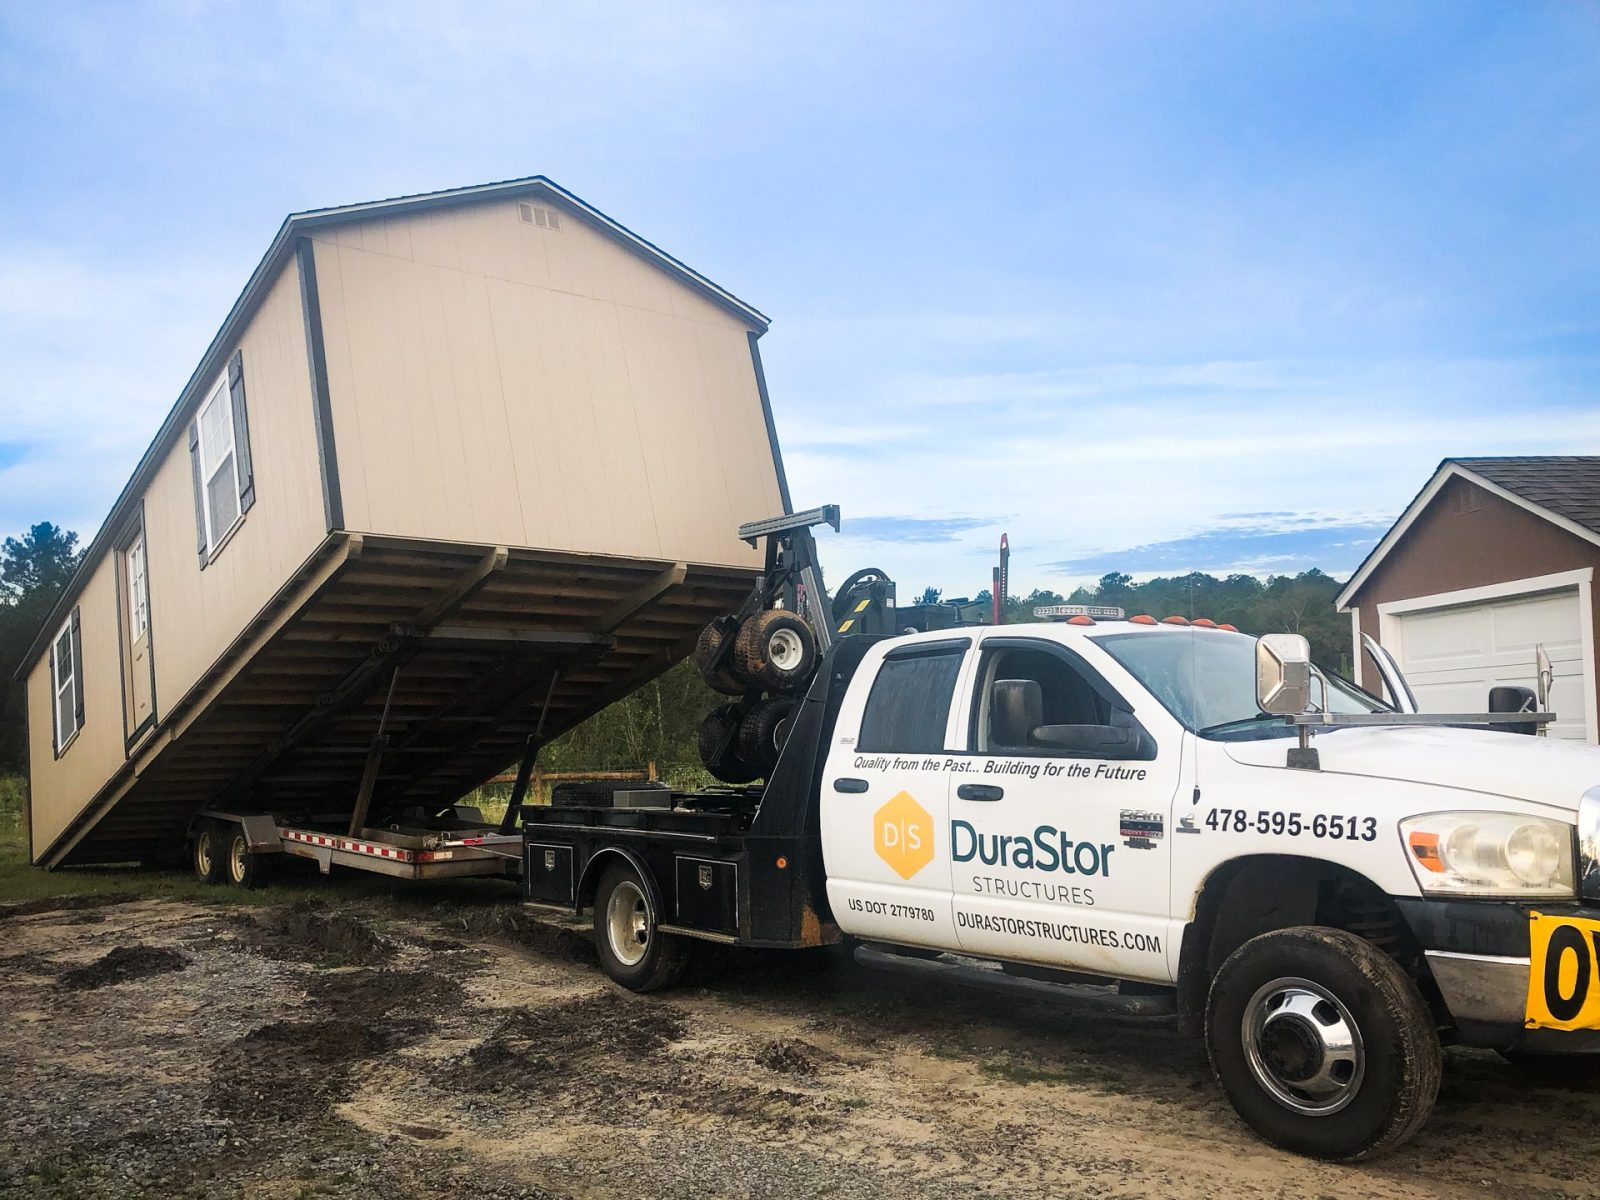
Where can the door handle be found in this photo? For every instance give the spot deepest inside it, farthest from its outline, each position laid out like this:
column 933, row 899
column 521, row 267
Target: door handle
column 980, row 791
column 850, row 786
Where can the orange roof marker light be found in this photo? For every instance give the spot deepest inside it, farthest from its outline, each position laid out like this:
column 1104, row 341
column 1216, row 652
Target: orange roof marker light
column 1143, row 619
column 1204, row 623
column 1229, row 628
column 1080, row 620
column 1175, row 620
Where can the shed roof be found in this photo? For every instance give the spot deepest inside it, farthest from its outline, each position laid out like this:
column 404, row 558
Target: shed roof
column 294, row 226
column 1561, row 489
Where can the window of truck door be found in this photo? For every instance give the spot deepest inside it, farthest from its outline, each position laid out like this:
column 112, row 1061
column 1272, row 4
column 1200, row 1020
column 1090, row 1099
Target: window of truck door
column 1069, row 864
column 885, row 807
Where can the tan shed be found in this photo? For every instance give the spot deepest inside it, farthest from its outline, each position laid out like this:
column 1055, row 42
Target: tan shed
column 449, row 455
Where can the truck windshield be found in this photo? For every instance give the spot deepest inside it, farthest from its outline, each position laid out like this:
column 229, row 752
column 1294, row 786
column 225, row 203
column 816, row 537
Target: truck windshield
column 1208, row 681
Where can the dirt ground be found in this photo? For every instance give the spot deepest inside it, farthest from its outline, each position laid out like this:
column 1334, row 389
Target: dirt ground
column 410, row 1046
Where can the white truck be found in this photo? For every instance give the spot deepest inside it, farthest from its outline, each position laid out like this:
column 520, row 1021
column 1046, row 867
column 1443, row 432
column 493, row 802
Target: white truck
column 1165, row 818
column 1155, row 817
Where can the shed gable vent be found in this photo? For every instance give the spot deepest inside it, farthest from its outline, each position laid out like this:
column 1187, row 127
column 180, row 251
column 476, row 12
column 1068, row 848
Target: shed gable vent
column 543, row 218
column 1469, row 498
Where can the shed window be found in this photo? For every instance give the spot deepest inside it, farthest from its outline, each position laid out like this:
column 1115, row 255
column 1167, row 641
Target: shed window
column 138, row 590
column 219, row 465
column 219, row 455
column 66, row 679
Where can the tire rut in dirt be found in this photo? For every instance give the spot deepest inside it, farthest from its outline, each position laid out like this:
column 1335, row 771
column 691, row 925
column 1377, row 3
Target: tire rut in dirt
column 293, row 1069
column 611, row 1058
column 124, row 964
column 312, row 932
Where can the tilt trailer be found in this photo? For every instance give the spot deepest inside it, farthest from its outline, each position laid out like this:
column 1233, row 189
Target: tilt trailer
column 1149, row 817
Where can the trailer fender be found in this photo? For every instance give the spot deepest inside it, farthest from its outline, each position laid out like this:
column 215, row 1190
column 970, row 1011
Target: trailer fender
column 260, row 830
column 603, row 858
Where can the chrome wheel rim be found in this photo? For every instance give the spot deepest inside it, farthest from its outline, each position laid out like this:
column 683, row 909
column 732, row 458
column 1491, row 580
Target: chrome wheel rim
column 784, row 649
column 202, row 853
column 1303, row 1046
column 236, row 859
column 627, row 923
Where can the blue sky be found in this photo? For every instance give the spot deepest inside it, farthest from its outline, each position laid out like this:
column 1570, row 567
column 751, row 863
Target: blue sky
column 1150, row 287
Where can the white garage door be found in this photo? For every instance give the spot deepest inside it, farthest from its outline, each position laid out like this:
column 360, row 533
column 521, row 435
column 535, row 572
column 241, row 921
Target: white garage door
column 1453, row 656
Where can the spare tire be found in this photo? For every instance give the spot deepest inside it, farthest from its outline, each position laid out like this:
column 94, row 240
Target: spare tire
column 598, row 792
column 721, row 728
column 776, row 650
column 763, row 731
column 706, row 648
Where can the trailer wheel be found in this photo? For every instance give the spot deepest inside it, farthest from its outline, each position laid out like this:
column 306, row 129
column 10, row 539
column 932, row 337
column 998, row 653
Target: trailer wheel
column 207, row 853
column 721, row 728
column 706, row 648
column 776, row 650
column 1322, row 1043
column 763, row 732
column 632, row 950
column 246, row 869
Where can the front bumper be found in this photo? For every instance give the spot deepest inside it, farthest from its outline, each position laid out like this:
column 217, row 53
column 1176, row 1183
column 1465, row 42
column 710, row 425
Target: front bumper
column 1478, row 952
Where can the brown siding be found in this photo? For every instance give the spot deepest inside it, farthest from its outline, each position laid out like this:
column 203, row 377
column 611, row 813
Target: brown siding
column 195, row 615
column 496, row 382
column 1446, row 551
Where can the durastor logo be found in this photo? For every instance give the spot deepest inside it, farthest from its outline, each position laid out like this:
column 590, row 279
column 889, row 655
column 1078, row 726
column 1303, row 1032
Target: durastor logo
column 902, row 834
column 1045, row 849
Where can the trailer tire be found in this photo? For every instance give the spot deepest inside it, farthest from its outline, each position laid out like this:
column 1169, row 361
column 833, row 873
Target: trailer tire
column 776, row 650
column 206, row 850
column 1322, row 1043
column 633, row 951
column 706, row 648
column 245, row 868
column 720, row 724
column 763, row 732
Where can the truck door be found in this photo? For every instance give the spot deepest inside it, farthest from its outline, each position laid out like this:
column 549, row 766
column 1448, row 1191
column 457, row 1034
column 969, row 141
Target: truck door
column 1059, row 853
column 884, row 798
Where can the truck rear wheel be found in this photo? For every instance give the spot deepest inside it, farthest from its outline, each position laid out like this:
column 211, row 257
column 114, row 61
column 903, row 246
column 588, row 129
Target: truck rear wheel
column 633, row 951
column 775, row 650
column 1322, row 1043
column 207, row 853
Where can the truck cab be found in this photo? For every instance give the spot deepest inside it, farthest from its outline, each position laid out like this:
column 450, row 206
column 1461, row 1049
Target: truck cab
column 1107, row 803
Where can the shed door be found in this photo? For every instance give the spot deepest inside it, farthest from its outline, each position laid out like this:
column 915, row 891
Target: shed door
column 138, row 672
column 1453, row 656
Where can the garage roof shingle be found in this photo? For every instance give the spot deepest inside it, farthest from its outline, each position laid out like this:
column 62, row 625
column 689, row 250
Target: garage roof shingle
column 1568, row 485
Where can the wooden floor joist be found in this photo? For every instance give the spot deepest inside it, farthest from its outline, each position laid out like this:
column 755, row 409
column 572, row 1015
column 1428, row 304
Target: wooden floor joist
column 289, row 717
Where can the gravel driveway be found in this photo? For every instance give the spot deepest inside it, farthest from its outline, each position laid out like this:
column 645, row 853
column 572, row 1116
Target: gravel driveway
column 408, row 1048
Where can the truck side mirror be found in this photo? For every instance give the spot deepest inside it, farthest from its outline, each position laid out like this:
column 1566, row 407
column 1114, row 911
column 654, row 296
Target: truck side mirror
column 1507, row 699
column 1283, row 673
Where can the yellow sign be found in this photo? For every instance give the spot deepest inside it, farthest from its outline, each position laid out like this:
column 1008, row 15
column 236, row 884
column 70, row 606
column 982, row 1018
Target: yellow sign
column 1564, row 975
column 902, row 833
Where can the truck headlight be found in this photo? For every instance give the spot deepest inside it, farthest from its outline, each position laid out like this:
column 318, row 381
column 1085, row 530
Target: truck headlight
column 1490, row 854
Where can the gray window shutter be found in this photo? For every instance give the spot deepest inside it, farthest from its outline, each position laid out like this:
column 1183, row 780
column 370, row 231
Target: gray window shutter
column 77, row 667
column 241, row 432
column 55, row 706
column 199, row 492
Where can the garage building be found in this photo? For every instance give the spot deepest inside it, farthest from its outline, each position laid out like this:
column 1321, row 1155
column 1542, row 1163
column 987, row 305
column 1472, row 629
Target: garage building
column 1493, row 558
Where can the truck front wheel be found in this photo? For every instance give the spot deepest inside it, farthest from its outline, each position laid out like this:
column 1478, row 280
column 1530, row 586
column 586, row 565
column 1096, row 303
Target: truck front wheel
column 633, row 951
column 1322, row 1043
